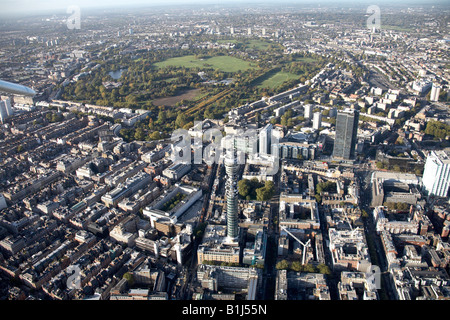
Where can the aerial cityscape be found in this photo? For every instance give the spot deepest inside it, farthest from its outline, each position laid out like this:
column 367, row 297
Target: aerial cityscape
column 237, row 151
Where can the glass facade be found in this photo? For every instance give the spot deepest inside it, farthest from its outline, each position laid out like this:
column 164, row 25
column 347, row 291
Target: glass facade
column 346, row 130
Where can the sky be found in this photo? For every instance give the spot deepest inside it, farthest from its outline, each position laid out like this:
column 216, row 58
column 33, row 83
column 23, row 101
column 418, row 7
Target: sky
column 38, row 6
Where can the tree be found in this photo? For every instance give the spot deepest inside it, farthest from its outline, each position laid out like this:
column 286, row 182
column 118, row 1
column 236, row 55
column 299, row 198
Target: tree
column 155, row 136
column 129, row 277
column 296, row 266
column 262, row 194
column 364, row 214
column 318, row 198
column 284, row 120
column 380, row 165
column 265, row 193
column 309, row 268
column 437, row 129
column 93, row 167
column 248, row 188
column 325, row 186
column 199, row 230
column 56, row 117
column 188, row 125
column 324, row 269
column 162, row 116
column 139, row 134
column 181, row 120
column 282, row 265
column 244, row 187
column 151, row 124
column 125, row 134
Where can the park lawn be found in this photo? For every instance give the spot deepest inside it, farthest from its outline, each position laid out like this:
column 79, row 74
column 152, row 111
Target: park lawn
column 249, row 44
column 200, row 95
column 227, row 41
column 277, row 79
column 222, row 63
column 258, row 44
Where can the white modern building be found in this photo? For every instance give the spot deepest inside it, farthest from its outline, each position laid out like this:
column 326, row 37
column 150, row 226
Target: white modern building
column 265, row 139
column 317, row 120
column 435, row 91
column 436, row 174
column 421, row 86
column 172, row 204
column 308, row 111
column 176, row 171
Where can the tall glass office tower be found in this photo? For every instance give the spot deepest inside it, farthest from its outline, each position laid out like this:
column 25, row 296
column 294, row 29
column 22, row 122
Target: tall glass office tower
column 346, row 130
column 231, row 168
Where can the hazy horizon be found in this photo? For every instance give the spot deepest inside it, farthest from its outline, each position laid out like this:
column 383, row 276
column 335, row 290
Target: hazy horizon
column 38, row 7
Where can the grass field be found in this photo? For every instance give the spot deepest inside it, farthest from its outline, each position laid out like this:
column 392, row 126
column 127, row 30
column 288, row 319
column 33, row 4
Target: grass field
column 249, row 44
column 275, row 79
column 258, row 44
column 222, row 63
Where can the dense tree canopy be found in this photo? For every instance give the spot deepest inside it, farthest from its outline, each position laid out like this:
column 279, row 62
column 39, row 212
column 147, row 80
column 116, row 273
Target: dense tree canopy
column 437, row 129
column 255, row 190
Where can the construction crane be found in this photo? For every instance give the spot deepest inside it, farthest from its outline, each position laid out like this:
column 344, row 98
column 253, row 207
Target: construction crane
column 15, row 88
column 305, row 245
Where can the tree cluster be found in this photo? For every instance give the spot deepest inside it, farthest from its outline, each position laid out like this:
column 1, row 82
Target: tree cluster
column 397, row 206
column 437, row 129
column 298, row 267
column 256, row 190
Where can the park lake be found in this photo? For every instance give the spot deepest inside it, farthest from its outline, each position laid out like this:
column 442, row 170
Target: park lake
column 116, row 74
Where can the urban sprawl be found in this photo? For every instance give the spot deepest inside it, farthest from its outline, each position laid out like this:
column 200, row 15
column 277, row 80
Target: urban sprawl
column 324, row 147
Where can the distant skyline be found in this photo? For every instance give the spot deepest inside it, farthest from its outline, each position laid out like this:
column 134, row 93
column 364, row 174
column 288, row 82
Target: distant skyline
column 32, row 6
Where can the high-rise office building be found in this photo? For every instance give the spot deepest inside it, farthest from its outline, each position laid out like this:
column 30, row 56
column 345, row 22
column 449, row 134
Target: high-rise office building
column 231, row 168
column 308, row 111
column 317, row 120
column 3, row 112
column 436, row 174
column 265, row 139
column 9, row 110
column 332, row 112
column 3, row 204
column 346, row 130
column 435, row 92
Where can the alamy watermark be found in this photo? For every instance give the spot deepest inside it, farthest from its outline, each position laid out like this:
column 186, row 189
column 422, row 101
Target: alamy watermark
column 374, row 20
column 373, row 277
column 74, row 280
column 74, row 20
